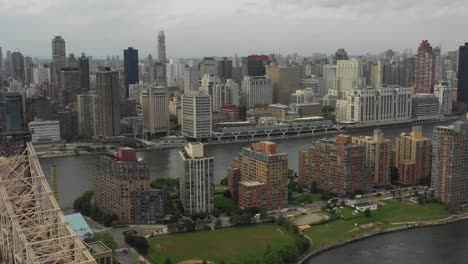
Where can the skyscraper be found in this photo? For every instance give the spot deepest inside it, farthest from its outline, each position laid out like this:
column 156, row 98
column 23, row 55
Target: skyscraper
column 12, row 112
column 191, row 78
column 69, row 85
column 196, row 115
column 462, row 92
column 1, row 62
column 412, row 157
column 130, row 68
column 155, row 105
column 83, row 63
column 86, row 110
column 162, row 55
column 256, row 91
column 450, row 163
column 59, row 57
column 17, row 61
column 285, row 80
column 256, row 65
column 425, row 68
column 7, row 67
column 196, row 175
column 108, row 102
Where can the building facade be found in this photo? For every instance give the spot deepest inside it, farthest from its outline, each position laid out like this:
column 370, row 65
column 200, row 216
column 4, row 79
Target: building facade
column 87, row 115
column 121, row 187
column 155, row 105
column 196, row 115
column 425, row 68
column 284, row 80
column 335, row 165
column 412, row 157
column 444, row 95
column 108, row 102
column 83, row 63
column 378, row 156
column 449, row 177
column 70, row 85
column 12, row 112
column 45, row 132
column 196, row 175
column 462, row 87
column 256, row 91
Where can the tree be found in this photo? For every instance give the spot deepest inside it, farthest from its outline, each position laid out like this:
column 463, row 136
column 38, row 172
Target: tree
column 327, row 109
column 224, row 181
column 204, row 262
column 245, row 219
column 82, row 204
column 272, row 258
column 313, row 187
column 140, row 244
column 302, row 243
column 288, row 253
column 367, row 212
column 168, row 261
column 218, row 223
column 221, row 262
column 227, row 193
column 235, row 219
column 394, row 174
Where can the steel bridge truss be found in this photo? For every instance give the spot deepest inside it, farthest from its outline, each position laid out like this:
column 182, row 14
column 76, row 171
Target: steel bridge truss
column 33, row 229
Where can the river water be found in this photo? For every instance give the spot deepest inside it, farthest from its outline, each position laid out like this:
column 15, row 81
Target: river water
column 445, row 244
column 74, row 173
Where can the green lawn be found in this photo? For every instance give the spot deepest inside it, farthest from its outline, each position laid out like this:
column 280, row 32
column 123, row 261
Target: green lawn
column 389, row 215
column 233, row 245
column 297, row 199
column 223, row 203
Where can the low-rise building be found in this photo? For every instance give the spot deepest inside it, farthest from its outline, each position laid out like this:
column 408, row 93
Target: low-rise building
column 365, row 205
column 43, row 132
column 100, row 252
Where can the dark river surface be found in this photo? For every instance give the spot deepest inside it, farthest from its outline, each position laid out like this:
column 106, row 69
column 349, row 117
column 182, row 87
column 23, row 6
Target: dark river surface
column 447, row 244
column 74, row 173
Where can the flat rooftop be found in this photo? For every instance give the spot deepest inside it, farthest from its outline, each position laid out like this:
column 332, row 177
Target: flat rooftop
column 251, row 183
column 98, row 248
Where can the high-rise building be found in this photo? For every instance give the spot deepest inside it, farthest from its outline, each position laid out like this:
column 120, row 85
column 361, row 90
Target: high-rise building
column 335, row 165
column 196, row 176
column 349, row 76
column 425, row 68
column 70, row 85
column 28, row 70
column 83, row 63
column 213, row 86
column 41, row 74
column 108, row 102
column 86, row 110
column 72, row 61
column 378, row 156
column 425, row 107
column 462, row 87
column 1, row 62
column 59, row 57
column 340, row 54
column 162, row 56
column 191, row 78
column 450, row 163
column 256, row 91
column 412, row 157
column 209, row 66
column 285, row 80
column 263, row 181
column 444, row 93
column 121, row 187
column 196, row 115
column 7, row 67
column 256, row 65
column 12, row 112
column 44, row 132
column 232, row 92
column 155, row 104
column 130, row 68
column 17, row 61
column 382, row 104
column 225, row 69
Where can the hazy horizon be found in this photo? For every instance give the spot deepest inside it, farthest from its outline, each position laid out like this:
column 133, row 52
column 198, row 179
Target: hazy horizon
column 222, row 28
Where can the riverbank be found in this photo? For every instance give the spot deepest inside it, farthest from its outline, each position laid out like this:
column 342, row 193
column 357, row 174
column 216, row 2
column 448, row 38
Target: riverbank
column 403, row 226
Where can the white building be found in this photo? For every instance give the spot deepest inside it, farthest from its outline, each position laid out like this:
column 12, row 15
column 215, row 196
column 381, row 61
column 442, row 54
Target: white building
column 303, row 96
column 43, row 132
column 175, row 73
column 311, row 83
column 213, row 86
column 196, row 115
column 382, row 104
column 256, row 90
column 444, row 92
column 349, row 76
column 365, row 205
column 232, row 92
column 196, row 174
column 155, row 105
column 209, row 66
column 191, row 77
column 329, row 77
column 86, row 110
column 41, row 74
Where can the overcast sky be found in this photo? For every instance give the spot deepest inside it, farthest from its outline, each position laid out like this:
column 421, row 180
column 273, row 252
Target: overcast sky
column 197, row 28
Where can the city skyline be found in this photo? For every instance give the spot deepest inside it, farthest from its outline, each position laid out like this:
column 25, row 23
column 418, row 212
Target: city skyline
column 288, row 26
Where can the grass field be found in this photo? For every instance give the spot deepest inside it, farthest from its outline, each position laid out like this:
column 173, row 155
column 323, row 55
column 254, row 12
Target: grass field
column 392, row 213
column 233, row 245
column 297, row 199
column 223, row 203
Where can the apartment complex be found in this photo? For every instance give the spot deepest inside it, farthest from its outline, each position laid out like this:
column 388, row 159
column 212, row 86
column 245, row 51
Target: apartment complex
column 412, row 157
column 378, row 156
column 263, row 177
column 108, row 102
column 196, row 175
column 86, row 109
column 44, row 131
column 450, row 163
column 121, row 187
column 335, row 165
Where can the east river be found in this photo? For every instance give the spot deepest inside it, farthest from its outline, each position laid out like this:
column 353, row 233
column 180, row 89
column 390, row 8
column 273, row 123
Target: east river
column 432, row 245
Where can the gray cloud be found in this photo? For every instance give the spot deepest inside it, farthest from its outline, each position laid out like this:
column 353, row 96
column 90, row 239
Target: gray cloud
column 223, row 27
